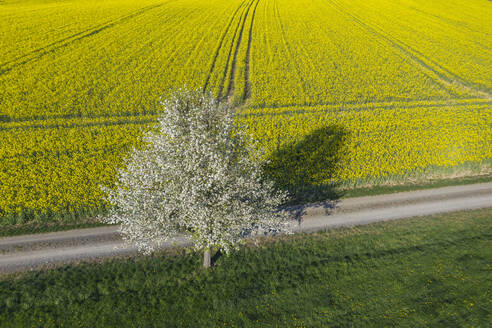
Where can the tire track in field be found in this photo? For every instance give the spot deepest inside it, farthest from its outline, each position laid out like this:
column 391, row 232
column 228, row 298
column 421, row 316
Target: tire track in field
column 40, row 52
column 72, row 125
column 459, row 28
column 440, row 75
column 7, row 119
column 230, row 89
column 219, row 46
column 344, row 106
column 247, row 83
column 235, row 41
column 53, row 153
column 356, row 107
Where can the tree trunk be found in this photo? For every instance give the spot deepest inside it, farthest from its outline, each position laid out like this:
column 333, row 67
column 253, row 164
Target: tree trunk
column 207, row 256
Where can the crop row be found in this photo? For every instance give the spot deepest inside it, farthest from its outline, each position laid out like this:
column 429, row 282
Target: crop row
column 312, row 53
column 119, row 67
column 29, row 28
column 448, row 37
column 108, row 57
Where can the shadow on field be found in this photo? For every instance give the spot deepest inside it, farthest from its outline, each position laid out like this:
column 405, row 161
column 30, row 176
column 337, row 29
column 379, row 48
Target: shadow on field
column 302, row 167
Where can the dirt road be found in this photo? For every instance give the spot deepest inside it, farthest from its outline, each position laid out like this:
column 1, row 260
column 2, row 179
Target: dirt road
column 36, row 251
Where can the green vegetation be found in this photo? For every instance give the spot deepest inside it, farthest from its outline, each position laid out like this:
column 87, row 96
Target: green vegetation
column 432, row 272
column 34, row 227
column 383, row 92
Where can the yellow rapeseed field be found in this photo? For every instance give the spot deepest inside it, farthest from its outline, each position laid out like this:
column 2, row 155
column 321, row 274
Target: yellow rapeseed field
column 343, row 92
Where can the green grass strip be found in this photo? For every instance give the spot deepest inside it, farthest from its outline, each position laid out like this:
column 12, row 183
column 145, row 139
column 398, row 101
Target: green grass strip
column 426, row 272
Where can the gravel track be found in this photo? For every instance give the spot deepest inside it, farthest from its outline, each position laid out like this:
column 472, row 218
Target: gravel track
column 28, row 252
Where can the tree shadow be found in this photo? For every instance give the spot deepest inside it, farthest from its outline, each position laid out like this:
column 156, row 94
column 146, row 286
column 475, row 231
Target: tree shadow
column 303, row 167
column 218, row 254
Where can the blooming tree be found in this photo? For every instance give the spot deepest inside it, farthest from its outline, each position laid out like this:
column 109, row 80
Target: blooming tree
column 198, row 174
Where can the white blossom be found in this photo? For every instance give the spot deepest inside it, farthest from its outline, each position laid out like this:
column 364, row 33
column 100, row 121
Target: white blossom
column 199, row 175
